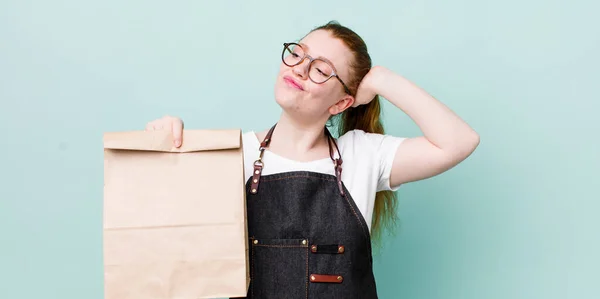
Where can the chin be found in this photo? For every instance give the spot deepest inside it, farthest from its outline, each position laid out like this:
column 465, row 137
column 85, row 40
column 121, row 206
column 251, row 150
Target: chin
column 286, row 101
column 285, row 97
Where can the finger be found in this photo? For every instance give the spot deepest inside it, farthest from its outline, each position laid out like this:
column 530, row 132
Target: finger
column 362, row 97
column 149, row 126
column 358, row 98
column 177, row 129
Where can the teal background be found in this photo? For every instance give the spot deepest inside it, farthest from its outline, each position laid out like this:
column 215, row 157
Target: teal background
column 518, row 219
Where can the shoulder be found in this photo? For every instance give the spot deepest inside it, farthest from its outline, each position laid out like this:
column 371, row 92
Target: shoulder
column 250, row 142
column 370, row 155
column 359, row 140
column 249, row 137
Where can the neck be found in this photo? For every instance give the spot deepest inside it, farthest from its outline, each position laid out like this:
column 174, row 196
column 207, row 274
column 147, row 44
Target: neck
column 299, row 140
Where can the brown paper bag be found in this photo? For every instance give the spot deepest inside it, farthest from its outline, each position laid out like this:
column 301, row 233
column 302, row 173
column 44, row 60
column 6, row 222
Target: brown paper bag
column 174, row 218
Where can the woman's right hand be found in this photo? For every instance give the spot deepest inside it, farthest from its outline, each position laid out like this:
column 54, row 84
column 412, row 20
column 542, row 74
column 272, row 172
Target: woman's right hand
column 174, row 124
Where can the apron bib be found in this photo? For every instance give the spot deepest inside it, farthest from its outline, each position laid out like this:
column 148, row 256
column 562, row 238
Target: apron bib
column 307, row 236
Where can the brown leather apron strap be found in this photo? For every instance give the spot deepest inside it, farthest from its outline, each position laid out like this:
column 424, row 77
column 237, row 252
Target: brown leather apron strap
column 337, row 161
column 258, row 164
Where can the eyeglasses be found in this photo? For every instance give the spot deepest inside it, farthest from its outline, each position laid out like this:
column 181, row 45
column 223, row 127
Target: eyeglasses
column 319, row 70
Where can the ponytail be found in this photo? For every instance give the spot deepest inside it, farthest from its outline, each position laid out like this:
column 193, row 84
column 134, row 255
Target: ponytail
column 365, row 117
column 368, row 119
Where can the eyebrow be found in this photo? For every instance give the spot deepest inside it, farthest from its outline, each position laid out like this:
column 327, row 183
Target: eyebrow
column 320, row 57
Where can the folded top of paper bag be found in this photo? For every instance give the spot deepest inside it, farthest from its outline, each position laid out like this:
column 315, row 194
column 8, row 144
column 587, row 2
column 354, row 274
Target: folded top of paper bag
column 162, row 140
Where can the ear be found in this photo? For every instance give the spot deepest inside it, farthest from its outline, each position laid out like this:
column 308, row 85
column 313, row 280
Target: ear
column 344, row 103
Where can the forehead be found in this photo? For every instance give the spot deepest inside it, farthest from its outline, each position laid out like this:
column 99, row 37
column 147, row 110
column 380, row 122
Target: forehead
column 322, row 44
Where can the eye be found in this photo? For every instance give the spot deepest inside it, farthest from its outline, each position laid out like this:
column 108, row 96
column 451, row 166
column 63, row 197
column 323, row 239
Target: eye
column 321, row 72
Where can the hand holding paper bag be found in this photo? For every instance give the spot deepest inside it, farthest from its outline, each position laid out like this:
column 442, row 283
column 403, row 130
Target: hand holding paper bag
column 169, row 123
column 174, row 217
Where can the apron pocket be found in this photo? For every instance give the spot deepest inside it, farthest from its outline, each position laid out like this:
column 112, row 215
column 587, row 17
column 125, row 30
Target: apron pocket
column 279, row 268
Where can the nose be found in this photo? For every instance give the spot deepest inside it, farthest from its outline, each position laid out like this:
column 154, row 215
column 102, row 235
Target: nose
column 301, row 69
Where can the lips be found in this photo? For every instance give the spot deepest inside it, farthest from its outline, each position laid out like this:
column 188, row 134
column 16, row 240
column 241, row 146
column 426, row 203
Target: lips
column 293, row 83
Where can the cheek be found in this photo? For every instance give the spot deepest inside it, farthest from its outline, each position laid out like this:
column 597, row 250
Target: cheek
column 279, row 84
column 324, row 92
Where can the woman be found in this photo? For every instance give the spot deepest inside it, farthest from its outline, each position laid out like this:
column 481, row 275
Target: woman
column 312, row 199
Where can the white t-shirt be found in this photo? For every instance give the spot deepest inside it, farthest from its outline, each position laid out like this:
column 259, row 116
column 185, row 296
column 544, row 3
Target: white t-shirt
column 367, row 163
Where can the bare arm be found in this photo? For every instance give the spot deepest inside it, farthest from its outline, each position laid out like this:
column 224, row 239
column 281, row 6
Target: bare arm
column 447, row 139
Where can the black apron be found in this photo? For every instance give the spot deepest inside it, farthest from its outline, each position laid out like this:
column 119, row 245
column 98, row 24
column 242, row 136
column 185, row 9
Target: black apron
column 307, row 237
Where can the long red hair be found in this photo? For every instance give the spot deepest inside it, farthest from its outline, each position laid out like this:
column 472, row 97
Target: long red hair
column 365, row 118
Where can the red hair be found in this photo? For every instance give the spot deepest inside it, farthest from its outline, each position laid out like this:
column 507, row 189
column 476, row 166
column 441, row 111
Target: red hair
column 364, row 117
